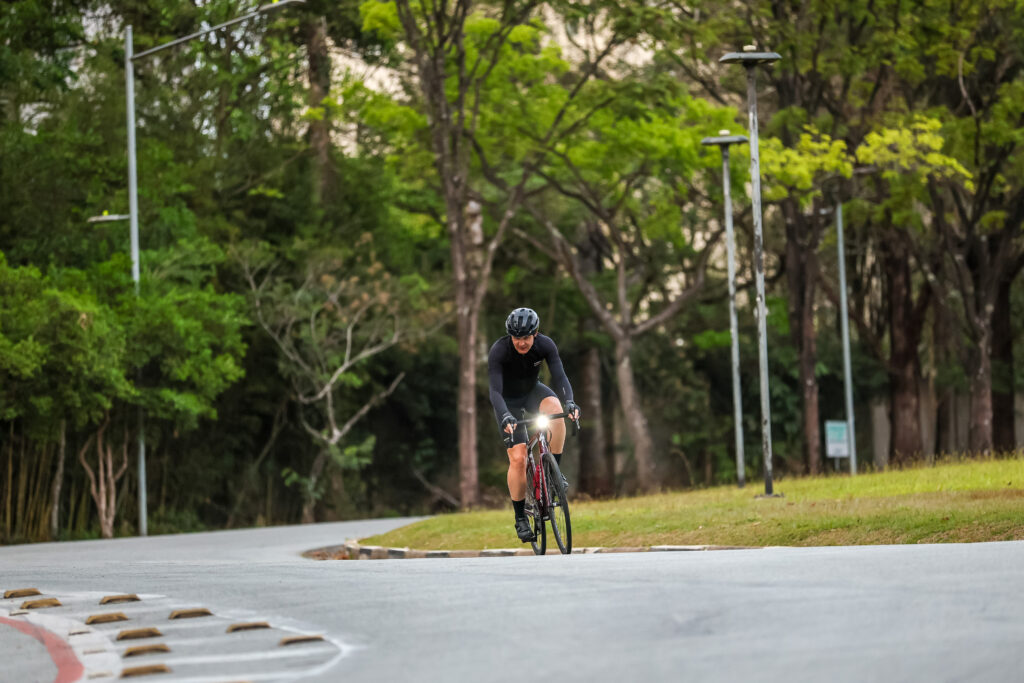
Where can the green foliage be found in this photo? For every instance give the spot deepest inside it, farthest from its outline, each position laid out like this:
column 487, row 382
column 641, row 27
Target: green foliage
column 914, row 148
column 712, row 339
column 925, row 101
column 799, row 171
column 62, row 351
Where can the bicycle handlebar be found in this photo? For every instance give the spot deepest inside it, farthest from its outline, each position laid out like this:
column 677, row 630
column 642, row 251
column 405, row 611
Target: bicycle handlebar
column 552, row 416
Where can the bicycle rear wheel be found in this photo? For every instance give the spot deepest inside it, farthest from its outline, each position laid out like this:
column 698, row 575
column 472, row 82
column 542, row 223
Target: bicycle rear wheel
column 561, row 524
column 536, row 516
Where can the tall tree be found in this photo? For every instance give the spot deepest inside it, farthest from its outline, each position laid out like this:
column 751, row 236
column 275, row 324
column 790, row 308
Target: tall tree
column 628, row 174
column 479, row 72
column 334, row 312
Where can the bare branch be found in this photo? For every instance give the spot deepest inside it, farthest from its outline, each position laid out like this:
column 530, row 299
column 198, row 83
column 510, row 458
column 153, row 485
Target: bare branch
column 688, row 294
column 437, row 491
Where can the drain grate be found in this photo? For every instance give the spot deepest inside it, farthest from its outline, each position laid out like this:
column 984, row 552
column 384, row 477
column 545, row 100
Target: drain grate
column 148, row 670
column 250, row 626
column 39, row 604
column 190, row 613
column 146, row 650
column 136, row 633
column 114, row 599
column 107, row 618
column 21, row 593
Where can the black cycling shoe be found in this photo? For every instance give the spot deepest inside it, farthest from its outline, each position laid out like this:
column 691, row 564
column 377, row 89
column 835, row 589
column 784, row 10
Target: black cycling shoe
column 524, row 531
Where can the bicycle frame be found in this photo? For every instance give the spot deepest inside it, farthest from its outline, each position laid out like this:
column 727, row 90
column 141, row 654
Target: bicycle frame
column 546, row 502
column 541, row 494
column 540, row 487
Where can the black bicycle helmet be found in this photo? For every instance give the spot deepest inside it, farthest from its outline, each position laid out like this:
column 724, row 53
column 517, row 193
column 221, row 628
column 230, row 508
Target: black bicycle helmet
column 522, row 322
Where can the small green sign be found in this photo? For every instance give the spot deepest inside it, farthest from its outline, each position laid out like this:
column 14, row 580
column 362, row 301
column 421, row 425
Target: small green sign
column 836, row 443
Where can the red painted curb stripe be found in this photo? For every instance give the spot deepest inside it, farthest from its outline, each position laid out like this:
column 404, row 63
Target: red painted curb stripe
column 69, row 669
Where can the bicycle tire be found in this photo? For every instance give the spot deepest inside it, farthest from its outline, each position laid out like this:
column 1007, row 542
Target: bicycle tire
column 540, row 538
column 558, row 513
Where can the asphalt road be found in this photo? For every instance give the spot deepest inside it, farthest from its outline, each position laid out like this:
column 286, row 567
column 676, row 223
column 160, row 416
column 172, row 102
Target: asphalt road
column 877, row 613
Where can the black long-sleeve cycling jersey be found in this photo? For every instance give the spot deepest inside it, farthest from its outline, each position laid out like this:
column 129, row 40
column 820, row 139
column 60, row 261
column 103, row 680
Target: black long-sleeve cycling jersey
column 514, row 375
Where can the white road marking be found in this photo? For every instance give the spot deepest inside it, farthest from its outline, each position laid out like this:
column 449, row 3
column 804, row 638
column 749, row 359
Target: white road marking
column 102, row 656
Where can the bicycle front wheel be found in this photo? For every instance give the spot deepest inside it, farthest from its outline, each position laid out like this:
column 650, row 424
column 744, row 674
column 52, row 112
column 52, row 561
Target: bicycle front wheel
column 561, row 524
column 536, row 516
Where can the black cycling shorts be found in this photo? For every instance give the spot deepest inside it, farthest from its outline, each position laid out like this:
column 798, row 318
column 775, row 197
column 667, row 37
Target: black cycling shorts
column 531, row 404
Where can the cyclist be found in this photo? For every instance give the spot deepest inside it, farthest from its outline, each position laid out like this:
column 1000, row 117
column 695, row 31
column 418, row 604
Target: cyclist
column 513, row 367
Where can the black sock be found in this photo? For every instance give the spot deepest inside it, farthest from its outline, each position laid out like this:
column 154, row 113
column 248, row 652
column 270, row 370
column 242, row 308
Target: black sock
column 558, row 458
column 520, row 507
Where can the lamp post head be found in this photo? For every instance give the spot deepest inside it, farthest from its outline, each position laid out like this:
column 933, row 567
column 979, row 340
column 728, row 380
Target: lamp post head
column 108, row 217
column 723, row 139
column 750, row 58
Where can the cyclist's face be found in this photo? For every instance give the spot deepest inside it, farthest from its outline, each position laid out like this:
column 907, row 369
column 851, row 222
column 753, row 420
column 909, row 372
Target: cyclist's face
column 523, row 344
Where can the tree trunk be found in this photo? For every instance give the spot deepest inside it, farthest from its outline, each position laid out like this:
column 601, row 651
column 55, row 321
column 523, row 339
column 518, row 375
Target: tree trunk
column 319, row 126
column 103, row 482
column 612, row 434
column 881, row 432
column 809, row 391
column 58, row 481
column 597, row 471
column 636, row 421
column 800, row 272
column 979, row 434
column 595, row 478
column 1003, row 388
column 904, row 364
column 467, row 333
column 309, row 495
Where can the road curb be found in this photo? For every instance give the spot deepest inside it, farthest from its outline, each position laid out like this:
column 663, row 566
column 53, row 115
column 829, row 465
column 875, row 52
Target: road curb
column 352, row 550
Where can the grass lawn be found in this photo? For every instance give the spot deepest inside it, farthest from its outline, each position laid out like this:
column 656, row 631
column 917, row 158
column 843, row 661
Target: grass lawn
column 966, row 501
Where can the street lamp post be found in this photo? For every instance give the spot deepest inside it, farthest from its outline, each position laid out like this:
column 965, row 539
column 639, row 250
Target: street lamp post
column 844, row 314
column 844, row 331
column 750, row 59
column 724, row 141
column 133, row 191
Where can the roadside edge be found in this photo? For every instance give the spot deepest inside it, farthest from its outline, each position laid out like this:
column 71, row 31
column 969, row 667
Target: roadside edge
column 352, row 550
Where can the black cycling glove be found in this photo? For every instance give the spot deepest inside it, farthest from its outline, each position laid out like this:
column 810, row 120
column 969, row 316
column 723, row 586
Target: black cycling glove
column 571, row 407
column 507, row 420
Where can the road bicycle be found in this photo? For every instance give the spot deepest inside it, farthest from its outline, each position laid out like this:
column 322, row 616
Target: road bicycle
column 546, row 499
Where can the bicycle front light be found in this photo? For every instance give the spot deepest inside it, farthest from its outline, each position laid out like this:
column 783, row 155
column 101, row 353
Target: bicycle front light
column 543, row 422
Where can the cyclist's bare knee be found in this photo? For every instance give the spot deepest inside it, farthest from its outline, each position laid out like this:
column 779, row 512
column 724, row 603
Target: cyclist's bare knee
column 517, row 456
column 550, row 405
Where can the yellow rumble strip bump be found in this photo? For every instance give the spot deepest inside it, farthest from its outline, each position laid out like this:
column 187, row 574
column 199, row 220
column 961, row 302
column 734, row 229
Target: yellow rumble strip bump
column 133, row 671
column 112, row 599
column 294, row 640
column 190, row 613
column 100, row 674
column 21, row 593
column 251, row 626
column 146, row 650
column 105, row 618
column 136, row 633
column 38, row 604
